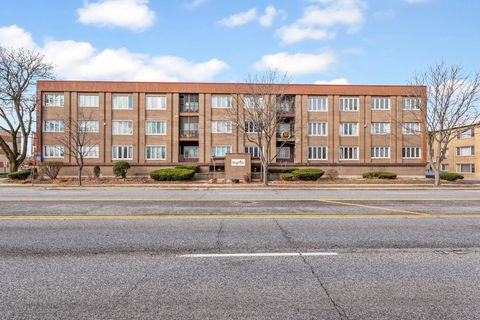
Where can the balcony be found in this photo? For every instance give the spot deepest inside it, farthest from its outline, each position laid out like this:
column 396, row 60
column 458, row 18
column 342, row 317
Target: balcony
column 187, row 158
column 189, row 107
column 189, row 134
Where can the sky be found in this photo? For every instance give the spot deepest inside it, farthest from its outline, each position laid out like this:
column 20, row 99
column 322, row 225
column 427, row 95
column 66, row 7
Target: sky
column 313, row 41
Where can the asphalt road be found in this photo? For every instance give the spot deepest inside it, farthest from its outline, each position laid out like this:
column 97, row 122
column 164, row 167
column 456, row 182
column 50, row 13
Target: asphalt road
column 110, row 254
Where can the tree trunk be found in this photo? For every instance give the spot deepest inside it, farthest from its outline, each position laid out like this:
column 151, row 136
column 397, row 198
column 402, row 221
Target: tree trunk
column 13, row 165
column 80, row 168
column 265, row 175
column 437, row 176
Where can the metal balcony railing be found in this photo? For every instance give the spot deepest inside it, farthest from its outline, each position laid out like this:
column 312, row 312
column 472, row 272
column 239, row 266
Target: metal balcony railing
column 188, row 133
column 189, row 107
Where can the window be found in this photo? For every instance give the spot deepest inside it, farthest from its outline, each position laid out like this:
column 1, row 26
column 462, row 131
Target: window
column 53, row 151
column 317, row 129
column 465, row 168
column 348, row 153
column 285, row 103
column 380, row 152
column 122, row 127
column 250, row 127
column 156, row 153
column 317, row 153
column 283, row 153
column 88, row 100
column 189, row 152
column 253, row 101
column 153, row 128
column 254, row 151
column 156, row 102
column 446, row 152
column 317, row 104
column 411, row 153
column 91, row 152
column 53, row 126
column 349, row 129
column 221, row 101
column 53, row 100
column 380, row 103
column 122, row 102
column 122, row 152
column 88, row 126
column 221, row 127
column 349, row 103
column 220, row 151
column 465, row 151
column 469, row 133
column 189, row 102
column 380, row 128
column 411, row 104
column 411, row 128
column 444, row 167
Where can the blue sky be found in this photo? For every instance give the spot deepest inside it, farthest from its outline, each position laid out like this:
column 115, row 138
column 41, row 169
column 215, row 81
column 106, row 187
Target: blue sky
column 354, row 41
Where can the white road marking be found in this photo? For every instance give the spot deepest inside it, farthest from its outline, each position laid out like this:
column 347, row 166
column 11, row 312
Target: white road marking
column 261, row 254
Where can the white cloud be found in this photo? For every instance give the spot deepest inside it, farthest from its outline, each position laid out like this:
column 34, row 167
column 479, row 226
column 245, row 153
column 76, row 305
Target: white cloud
column 296, row 64
column 130, row 14
column 81, row 61
column 16, row 37
column 321, row 19
column 240, row 18
column 195, row 3
column 334, row 81
column 267, row 19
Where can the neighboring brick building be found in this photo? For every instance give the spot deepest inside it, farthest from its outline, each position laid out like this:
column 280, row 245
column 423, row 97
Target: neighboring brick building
column 3, row 158
column 462, row 156
column 352, row 128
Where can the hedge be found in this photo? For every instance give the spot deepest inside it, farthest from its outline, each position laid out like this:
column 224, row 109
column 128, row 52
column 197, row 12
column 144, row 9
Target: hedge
column 120, row 169
column 19, row 175
column 281, row 170
column 287, row 177
column 450, row 176
column 308, row 174
column 193, row 167
column 175, row 174
column 379, row 175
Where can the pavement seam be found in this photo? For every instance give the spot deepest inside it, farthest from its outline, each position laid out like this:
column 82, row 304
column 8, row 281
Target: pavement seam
column 341, row 312
column 376, row 207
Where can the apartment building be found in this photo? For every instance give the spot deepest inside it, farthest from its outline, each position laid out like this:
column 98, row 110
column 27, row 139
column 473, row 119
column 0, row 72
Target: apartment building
column 351, row 128
column 462, row 153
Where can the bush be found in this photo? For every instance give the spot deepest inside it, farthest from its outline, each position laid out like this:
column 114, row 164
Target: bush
column 379, row 175
column 175, row 174
column 450, row 176
column 51, row 169
column 97, row 171
column 308, row 174
column 120, row 169
column 193, row 167
column 287, row 177
column 19, row 175
column 331, row 174
column 281, row 170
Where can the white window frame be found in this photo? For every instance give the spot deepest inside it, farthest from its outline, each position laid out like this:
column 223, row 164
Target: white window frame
column 376, row 128
column 250, row 127
column 221, row 101
column 380, row 153
column 460, row 149
column 350, row 151
column 349, row 104
column 221, row 126
column 317, row 103
column 249, row 102
column 122, row 133
column 444, row 167
column 163, row 125
column 380, row 103
column 58, row 100
column 283, row 155
column 317, row 153
column 353, row 129
column 86, row 153
column 151, row 98
column 253, row 150
column 58, row 126
column 465, row 134
column 53, row 152
column 83, row 126
column 86, row 102
column 470, row 165
column 411, row 153
column 163, row 152
column 223, row 148
column 129, row 150
column 129, row 105
column 412, row 128
column 317, row 129
column 411, row 103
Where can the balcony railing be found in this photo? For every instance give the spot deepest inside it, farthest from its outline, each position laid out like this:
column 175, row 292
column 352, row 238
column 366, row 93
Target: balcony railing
column 188, row 133
column 189, row 107
column 187, row 158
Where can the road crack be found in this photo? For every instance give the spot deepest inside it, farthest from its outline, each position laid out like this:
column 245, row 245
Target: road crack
column 341, row 312
column 219, row 233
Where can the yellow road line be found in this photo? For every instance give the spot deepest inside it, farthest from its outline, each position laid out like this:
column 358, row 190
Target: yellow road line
column 374, row 207
column 219, row 200
column 239, row 216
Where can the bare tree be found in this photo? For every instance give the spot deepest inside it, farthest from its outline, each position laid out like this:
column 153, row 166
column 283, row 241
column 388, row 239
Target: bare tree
column 79, row 139
column 19, row 71
column 262, row 108
column 450, row 106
